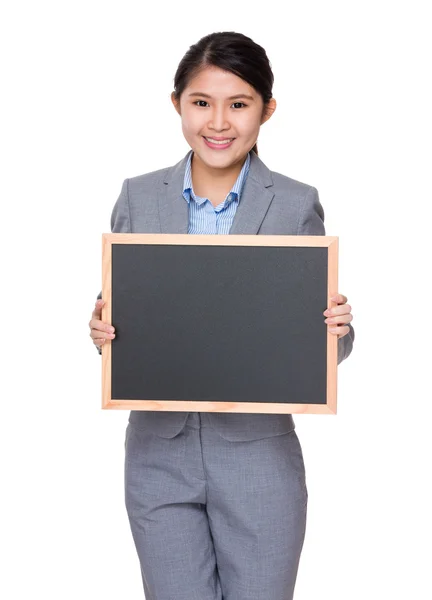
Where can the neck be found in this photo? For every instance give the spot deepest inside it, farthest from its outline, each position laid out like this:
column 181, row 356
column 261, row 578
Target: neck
column 205, row 177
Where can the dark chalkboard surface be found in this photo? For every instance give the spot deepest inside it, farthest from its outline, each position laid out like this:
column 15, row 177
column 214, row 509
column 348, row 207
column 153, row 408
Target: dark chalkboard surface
column 219, row 323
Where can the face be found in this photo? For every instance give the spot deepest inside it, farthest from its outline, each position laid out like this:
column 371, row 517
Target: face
column 218, row 104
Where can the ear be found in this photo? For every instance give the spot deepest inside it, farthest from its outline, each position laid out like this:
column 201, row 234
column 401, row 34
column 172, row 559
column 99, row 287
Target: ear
column 268, row 110
column 176, row 103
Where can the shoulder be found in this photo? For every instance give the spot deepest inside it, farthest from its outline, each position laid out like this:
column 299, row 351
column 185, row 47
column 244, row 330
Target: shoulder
column 146, row 180
column 295, row 195
column 283, row 183
column 295, row 198
column 157, row 177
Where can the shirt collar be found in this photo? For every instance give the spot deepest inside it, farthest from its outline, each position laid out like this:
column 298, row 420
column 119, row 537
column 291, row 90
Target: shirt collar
column 236, row 189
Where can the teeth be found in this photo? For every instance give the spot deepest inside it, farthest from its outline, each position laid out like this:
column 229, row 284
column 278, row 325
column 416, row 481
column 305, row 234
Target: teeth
column 219, row 141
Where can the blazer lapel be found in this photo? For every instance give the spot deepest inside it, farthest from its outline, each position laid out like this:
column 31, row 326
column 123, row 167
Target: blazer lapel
column 254, row 201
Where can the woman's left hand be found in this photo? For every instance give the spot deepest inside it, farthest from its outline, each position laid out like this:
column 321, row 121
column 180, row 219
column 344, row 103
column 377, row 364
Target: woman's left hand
column 338, row 316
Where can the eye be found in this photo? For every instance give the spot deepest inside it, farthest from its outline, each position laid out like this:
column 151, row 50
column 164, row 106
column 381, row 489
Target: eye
column 196, row 101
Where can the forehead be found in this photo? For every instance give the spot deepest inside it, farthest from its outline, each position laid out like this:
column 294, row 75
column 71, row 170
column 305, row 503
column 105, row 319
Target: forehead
column 218, row 83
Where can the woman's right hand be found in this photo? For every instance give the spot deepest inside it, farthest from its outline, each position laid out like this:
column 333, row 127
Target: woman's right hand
column 100, row 331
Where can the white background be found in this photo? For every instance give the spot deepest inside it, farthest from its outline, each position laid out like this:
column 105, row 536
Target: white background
column 86, row 104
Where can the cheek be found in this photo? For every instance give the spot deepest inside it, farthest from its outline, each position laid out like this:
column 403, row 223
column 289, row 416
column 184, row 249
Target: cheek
column 191, row 127
column 187, row 133
column 191, row 119
column 248, row 126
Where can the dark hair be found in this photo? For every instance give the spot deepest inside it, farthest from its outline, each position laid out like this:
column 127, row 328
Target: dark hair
column 232, row 52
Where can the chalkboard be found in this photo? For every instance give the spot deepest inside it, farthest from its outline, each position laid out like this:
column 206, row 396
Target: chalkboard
column 219, row 322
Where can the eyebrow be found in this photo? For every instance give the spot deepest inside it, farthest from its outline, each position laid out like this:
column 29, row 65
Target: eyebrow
column 230, row 98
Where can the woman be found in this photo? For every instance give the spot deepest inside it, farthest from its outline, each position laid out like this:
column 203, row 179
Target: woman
column 217, row 502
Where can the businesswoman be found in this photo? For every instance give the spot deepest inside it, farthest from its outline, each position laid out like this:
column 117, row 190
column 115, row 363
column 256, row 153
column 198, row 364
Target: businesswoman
column 217, row 502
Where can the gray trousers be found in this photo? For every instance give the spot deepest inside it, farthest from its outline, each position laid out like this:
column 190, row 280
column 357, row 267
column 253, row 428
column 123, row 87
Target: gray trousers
column 213, row 519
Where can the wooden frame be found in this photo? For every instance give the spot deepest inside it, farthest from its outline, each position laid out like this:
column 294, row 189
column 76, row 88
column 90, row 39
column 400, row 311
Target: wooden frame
column 329, row 242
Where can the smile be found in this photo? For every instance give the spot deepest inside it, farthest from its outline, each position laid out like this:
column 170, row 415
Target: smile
column 218, row 144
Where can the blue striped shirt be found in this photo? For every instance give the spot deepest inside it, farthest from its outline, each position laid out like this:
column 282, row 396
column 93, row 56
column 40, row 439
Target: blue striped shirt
column 203, row 216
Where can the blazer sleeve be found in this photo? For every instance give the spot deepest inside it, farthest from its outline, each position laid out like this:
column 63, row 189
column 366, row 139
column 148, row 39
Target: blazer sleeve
column 120, row 216
column 120, row 219
column 311, row 222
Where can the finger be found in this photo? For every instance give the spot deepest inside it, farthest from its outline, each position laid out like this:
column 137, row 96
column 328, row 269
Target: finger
column 339, row 320
column 96, row 334
column 339, row 298
column 342, row 309
column 97, row 311
column 339, row 331
column 101, row 326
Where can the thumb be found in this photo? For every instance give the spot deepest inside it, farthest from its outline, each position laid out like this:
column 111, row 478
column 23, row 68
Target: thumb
column 98, row 308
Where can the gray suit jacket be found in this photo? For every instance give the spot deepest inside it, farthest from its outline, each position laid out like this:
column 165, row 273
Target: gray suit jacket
column 270, row 204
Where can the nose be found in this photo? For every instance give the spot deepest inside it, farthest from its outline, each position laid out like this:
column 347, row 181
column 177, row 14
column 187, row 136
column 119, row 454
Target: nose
column 218, row 119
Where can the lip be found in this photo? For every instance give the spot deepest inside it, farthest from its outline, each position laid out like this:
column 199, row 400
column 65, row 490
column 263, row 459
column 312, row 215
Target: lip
column 219, row 139
column 219, row 146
